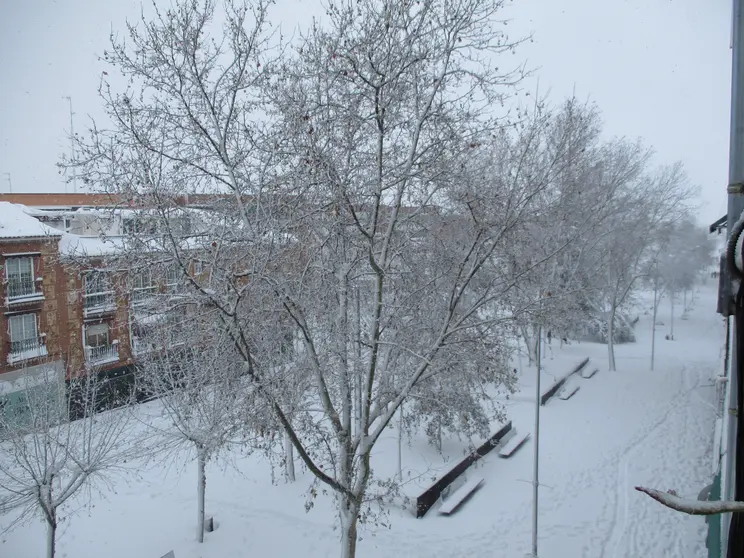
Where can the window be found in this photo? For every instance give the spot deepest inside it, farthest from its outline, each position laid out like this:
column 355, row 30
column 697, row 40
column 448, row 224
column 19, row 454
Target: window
column 20, row 275
column 173, row 278
column 139, row 225
column 99, row 349
column 25, row 341
column 130, row 226
column 198, row 267
column 185, row 225
column 97, row 335
column 96, row 282
column 99, row 295
column 143, row 279
column 218, row 278
column 24, row 334
column 142, row 285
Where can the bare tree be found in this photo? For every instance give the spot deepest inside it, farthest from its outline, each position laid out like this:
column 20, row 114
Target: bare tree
column 641, row 203
column 384, row 112
column 358, row 212
column 47, row 460
column 564, row 220
column 680, row 251
column 205, row 407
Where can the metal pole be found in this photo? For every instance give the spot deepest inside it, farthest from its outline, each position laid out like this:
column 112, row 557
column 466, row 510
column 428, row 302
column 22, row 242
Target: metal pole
column 536, row 464
column 10, row 184
column 735, row 207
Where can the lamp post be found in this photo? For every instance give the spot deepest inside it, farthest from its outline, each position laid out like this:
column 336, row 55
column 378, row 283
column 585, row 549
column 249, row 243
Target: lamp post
column 536, row 458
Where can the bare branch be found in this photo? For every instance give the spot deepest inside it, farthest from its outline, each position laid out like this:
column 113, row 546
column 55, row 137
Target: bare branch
column 692, row 507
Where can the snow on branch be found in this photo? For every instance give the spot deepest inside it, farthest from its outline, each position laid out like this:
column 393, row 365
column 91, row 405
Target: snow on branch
column 692, row 507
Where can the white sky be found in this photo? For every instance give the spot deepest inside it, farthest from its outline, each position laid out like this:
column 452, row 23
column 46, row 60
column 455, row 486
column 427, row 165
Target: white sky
column 658, row 69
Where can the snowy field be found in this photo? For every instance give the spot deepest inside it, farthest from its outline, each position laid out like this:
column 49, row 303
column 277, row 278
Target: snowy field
column 621, row 429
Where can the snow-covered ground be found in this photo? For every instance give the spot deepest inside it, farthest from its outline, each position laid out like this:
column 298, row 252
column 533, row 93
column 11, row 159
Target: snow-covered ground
column 624, row 428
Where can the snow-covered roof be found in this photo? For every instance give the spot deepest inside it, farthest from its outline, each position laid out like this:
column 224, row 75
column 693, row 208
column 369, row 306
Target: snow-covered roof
column 37, row 212
column 15, row 222
column 75, row 245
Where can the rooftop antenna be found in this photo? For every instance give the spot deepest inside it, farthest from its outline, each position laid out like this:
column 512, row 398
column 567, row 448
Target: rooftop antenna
column 10, row 184
column 72, row 149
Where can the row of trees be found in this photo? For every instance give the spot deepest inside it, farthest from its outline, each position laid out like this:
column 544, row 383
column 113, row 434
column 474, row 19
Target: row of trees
column 382, row 231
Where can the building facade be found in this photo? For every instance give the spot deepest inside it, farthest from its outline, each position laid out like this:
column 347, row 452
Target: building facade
column 34, row 323
column 71, row 306
column 64, row 314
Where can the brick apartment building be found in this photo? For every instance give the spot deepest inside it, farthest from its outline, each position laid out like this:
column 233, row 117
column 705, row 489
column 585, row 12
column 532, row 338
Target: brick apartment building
column 66, row 310
column 34, row 323
column 63, row 314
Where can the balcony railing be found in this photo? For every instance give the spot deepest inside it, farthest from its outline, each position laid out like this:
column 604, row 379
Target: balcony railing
column 97, row 303
column 142, row 294
column 175, row 288
column 102, row 353
column 27, row 349
column 22, row 289
column 142, row 346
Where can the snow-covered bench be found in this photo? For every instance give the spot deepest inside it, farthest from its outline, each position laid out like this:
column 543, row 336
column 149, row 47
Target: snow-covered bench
column 561, row 382
column 586, row 374
column 568, row 391
column 458, row 497
column 513, row 444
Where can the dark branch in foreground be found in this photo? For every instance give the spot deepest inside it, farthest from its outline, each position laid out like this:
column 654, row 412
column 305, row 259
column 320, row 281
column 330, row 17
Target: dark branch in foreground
column 692, row 507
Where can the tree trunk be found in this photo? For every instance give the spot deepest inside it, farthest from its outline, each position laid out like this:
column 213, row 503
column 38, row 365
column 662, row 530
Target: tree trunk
column 201, row 490
column 358, row 394
column 530, row 340
column 52, row 535
column 611, row 340
column 349, row 517
column 50, row 514
column 289, row 458
column 653, row 326
column 671, row 331
column 400, row 443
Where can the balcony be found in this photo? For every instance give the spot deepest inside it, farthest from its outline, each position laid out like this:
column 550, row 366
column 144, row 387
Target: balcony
column 27, row 349
column 98, row 303
column 102, row 354
column 143, row 294
column 175, row 288
column 22, row 290
column 142, row 346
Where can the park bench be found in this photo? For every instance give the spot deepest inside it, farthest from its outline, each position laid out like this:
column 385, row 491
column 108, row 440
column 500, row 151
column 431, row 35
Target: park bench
column 586, row 374
column 459, row 496
column 513, row 444
column 568, row 391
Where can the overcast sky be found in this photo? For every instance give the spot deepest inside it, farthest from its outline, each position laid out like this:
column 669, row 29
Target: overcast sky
column 658, row 69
